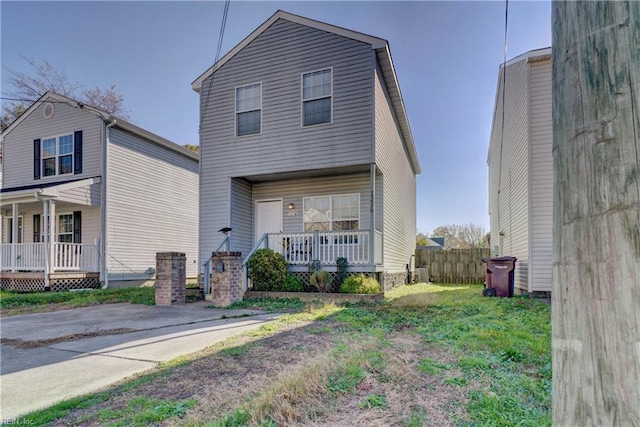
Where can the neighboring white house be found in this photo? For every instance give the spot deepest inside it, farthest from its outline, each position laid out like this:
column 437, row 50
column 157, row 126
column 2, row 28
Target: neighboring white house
column 306, row 148
column 118, row 194
column 521, row 169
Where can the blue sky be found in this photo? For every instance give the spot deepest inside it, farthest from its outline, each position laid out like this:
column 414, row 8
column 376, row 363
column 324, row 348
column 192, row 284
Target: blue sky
column 446, row 56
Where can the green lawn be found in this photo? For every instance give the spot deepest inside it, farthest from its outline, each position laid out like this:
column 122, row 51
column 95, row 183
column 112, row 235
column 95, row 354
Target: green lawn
column 12, row 303
column 429, row 355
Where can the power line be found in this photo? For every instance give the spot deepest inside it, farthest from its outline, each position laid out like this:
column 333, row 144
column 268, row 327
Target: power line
column 504, row 84
column 223, row 24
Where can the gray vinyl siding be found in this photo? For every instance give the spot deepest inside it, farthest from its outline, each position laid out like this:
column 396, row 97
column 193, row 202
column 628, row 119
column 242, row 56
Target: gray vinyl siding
column 295, row 190
column 18, row 144
column 152, row 206
column 398, row 185
column 509, row 209
column 541, row 195
column 241, row 215
column 277, row 59
column 88, row 195
column 90, row 229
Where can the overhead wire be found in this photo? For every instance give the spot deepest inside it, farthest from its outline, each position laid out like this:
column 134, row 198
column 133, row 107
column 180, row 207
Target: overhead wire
column 504, row 84
column 223, row 25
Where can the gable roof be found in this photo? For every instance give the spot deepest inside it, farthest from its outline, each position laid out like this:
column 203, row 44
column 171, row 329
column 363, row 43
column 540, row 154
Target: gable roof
column 383, row 54
column 107, row 117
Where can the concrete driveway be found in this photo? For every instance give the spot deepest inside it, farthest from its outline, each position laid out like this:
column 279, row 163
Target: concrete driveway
column 49, row 357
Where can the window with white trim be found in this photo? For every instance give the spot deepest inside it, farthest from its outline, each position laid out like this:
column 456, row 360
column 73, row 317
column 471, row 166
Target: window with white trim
column 57, row 155
column 65, row 228
column 317, row 92
column 331, row 213
column 249, row 109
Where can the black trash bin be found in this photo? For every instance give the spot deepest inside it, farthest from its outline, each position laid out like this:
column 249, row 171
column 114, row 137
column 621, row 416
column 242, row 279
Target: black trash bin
column 500, row 273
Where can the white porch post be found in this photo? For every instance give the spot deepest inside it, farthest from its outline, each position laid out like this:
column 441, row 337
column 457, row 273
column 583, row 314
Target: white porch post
column 372, row 209
column 52, row 235
column 14, row 235
column 47, row 248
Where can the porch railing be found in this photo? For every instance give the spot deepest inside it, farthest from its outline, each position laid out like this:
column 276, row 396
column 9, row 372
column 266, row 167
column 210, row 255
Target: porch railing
column 23, row 256
column 75, row 256
column 325, row 246
column 31, row 257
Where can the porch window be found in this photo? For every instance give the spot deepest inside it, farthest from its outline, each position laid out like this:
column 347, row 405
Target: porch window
column 65, row 228
column 332, row 213
column 10, row 230
column 249, row 109
column 317, row 91
column 57, row 155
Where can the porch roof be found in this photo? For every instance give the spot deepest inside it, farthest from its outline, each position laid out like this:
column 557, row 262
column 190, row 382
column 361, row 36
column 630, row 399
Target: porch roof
column 49, row 190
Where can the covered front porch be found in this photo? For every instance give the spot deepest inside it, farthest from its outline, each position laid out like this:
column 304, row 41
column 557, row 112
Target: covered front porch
column 361, row 248
column 51, row 237
column 22, row 257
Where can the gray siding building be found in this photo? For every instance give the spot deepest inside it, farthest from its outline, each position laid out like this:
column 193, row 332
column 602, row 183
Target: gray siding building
column 521, row 169
column 117, row 195
column 306, row 149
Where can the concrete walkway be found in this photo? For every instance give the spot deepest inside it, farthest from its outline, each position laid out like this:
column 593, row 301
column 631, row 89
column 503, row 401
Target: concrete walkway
column 79, row 351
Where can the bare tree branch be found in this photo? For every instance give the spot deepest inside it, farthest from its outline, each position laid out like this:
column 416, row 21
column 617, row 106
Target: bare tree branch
column 44, row 77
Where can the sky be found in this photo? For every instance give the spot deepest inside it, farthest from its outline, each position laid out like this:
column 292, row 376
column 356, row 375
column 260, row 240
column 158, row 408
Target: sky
column 446, row 55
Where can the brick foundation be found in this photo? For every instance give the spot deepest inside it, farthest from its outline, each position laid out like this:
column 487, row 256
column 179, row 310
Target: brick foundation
column 226, row 284
column 171, row 278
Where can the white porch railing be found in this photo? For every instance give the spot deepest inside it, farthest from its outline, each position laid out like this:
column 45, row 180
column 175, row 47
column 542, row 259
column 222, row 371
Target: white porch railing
column 31, row 257
column 23, row 256
column 75, row 256
column 325, row 246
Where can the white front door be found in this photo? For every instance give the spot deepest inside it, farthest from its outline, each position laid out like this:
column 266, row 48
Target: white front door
column 268, row 217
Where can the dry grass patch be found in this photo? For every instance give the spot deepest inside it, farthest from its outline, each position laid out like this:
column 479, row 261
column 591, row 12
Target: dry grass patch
column 412, row 398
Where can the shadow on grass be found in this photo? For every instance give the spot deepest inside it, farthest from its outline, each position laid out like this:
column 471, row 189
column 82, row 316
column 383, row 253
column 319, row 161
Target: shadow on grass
column 501, row 347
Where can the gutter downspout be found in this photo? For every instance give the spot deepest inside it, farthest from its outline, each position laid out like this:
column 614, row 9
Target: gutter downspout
column 47, row 249
column 104, row 205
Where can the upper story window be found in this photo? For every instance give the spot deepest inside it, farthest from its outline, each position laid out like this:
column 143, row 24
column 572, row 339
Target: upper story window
column 325, row 213
column 57, row 155
column 317, row 91
column 248, row 109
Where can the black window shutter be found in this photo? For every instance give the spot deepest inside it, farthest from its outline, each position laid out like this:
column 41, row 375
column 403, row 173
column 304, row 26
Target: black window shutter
column 10, row 233
column 77, row 152
column 77, row 227
column 36, row 228
column 36, row 159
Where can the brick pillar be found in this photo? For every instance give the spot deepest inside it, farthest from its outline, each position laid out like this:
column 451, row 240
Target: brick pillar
column 171, row 278
column 226, row 285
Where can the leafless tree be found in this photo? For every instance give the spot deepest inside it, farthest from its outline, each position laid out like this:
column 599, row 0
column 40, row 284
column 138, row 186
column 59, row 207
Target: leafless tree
column 44, row 77
column 461, row 236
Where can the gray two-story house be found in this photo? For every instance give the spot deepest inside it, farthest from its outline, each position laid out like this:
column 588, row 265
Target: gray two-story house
column 306, row 149
column 87, row 199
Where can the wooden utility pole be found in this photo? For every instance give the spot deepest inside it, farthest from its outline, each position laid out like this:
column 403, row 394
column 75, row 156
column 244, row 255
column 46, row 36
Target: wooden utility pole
column 596, row 216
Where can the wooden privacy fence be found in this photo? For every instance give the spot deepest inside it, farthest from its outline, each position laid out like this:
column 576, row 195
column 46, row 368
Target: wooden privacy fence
column 453, row 265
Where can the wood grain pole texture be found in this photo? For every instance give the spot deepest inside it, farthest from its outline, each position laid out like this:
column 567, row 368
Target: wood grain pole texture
column 596, row 217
